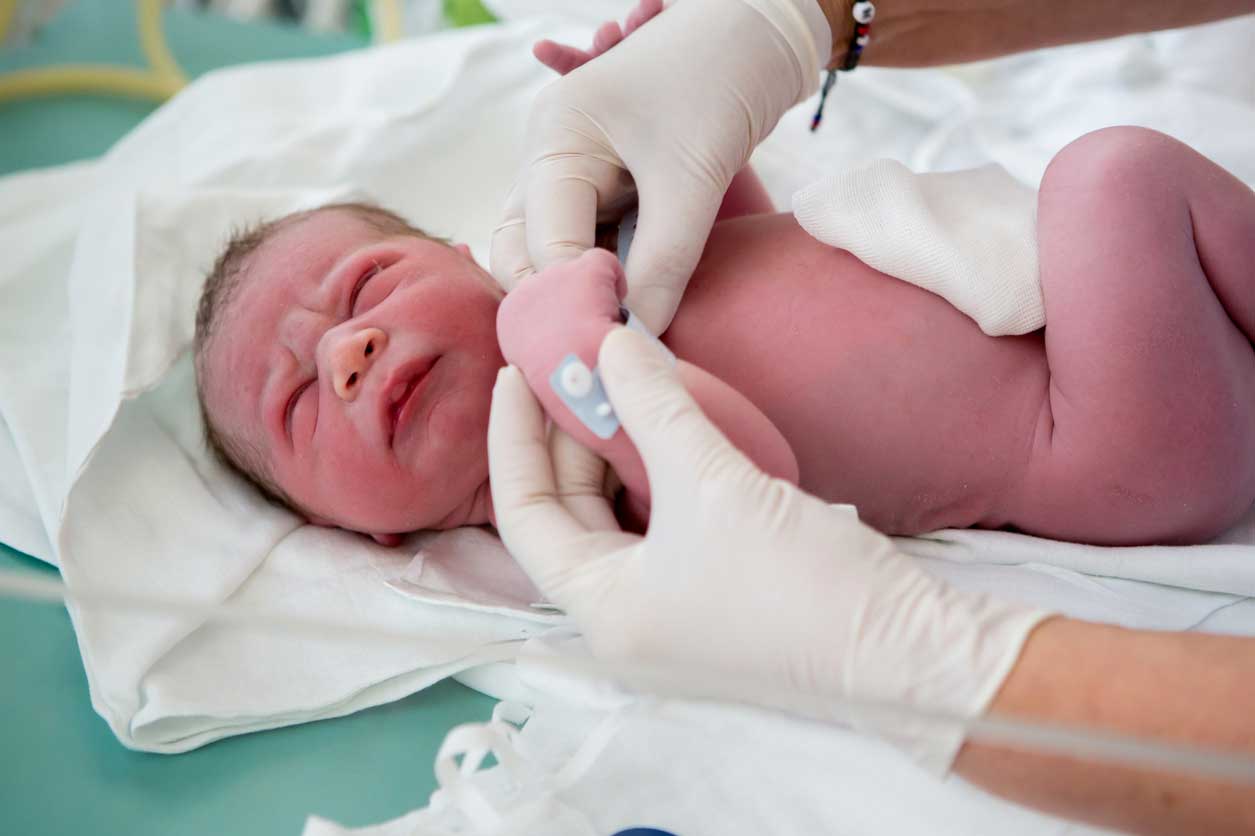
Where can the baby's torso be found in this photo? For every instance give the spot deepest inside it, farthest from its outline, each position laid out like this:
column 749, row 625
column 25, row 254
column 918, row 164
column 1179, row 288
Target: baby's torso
column 891, row 399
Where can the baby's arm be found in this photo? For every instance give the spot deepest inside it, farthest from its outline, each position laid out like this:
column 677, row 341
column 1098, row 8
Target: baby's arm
column 746, row 194
column 568, row 309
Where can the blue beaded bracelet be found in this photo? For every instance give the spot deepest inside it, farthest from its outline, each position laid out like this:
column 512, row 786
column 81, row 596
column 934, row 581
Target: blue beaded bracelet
column 863, row 12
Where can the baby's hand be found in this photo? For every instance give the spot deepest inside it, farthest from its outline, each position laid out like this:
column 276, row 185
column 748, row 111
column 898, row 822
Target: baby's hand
column 562, row 58
column 566, row 308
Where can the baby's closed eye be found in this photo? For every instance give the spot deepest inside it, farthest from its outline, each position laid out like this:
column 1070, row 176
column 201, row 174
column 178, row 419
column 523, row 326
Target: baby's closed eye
column 372, row 287
column 289, row 415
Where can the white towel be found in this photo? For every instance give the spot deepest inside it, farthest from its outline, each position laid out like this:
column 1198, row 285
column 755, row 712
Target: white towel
column 969, row 236
column 104, row 471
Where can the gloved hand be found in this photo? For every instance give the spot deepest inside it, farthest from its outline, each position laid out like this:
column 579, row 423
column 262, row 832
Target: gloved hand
column 739, row 574
column 669, row 115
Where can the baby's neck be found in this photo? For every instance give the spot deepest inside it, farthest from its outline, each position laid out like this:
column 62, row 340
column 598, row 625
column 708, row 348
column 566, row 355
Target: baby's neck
column 476, row 510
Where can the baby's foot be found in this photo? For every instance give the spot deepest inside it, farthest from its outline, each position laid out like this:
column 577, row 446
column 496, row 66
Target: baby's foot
column 562, row 58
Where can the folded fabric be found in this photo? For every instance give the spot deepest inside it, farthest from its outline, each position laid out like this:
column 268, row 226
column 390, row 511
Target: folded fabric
column 969, row 236
column 98, row 288
column 592, row 758
column 40, row 213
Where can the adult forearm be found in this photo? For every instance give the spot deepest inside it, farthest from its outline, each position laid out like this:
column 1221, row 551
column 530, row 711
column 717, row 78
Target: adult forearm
column 916, row 33
column 1175, row 687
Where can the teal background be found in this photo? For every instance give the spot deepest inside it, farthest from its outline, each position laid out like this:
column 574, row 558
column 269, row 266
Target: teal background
column 56, row 130
column 61, row 769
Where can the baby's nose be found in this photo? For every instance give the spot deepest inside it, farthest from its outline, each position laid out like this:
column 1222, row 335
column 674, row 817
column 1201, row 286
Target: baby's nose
column 351, row 356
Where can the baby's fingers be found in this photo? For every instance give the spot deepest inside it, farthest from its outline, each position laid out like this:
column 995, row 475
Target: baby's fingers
column 562, row 59
column 608, row 34
column 644, row 12
column 559, row 57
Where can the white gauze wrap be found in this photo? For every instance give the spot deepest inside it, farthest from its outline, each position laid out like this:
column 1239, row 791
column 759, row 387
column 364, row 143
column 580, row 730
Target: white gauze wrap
column 968, row 236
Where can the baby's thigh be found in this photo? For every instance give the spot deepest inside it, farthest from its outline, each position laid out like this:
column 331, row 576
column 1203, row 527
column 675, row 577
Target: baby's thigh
column 1132, row 483
column 1149, row 432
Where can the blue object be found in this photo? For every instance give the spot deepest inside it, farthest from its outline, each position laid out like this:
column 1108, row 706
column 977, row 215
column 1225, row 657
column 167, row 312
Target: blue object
column 580, row 389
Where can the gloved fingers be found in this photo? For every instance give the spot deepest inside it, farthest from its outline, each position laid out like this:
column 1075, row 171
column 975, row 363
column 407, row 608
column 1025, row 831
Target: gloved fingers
column 561, row 209
column 508, row 258
column 581, row 481
column 680, row 447
column 672, row 226
column 530, row 517
column 570, row 564
column 562, row 58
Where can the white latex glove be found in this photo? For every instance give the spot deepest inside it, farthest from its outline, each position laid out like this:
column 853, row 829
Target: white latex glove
column 670, row 115
column 739, row 574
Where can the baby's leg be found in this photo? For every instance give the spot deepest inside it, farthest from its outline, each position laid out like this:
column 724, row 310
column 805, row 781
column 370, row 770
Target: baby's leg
column 1148, row 275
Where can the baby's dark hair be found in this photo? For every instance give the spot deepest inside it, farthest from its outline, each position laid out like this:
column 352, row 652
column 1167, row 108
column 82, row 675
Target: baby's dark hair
column 224, row 279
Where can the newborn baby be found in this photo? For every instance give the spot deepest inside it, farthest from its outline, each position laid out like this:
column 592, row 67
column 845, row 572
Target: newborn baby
column 346, row 361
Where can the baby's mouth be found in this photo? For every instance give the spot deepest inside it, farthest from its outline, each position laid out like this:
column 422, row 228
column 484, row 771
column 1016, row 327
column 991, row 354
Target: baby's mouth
column 403, row 400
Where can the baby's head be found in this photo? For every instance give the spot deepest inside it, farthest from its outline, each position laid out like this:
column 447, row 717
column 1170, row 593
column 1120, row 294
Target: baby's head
column 345, row 364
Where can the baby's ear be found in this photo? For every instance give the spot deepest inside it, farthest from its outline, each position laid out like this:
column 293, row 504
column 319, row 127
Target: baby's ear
column 389, row 540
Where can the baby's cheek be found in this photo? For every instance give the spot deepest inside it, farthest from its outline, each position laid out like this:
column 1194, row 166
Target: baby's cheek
column 459, row 422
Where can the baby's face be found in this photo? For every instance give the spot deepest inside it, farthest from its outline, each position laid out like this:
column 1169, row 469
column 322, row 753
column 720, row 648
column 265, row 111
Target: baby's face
column 361, row 368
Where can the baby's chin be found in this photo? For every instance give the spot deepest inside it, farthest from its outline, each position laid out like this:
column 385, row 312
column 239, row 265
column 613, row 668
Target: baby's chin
column 399, row 509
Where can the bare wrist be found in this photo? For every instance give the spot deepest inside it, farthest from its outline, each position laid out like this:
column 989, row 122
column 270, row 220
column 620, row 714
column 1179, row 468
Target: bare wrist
column 841, row 24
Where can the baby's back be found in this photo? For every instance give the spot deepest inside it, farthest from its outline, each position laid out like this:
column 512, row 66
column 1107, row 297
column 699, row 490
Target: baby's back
column 891, row 399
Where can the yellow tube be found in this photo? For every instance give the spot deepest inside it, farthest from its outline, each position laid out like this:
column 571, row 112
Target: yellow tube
column 87, row 79
column 159, row 82
column 8, row 8
column 152, row 39
column 387, row 21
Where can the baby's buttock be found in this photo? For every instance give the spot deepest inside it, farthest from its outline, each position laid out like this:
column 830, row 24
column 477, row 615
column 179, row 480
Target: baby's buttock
column 891, row 399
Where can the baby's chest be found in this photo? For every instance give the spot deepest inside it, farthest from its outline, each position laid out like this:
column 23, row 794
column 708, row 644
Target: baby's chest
column 864, row 374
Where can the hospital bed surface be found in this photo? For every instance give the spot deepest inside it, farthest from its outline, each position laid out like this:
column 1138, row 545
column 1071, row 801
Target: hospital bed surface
column 61, row 770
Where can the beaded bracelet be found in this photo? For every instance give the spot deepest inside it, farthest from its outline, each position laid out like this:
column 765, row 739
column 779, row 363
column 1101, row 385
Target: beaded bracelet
column 863, row 12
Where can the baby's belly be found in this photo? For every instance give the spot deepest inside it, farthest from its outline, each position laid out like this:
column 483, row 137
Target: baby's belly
column 891, row 399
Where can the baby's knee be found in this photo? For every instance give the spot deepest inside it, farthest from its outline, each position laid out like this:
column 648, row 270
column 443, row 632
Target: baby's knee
column 1116, row 161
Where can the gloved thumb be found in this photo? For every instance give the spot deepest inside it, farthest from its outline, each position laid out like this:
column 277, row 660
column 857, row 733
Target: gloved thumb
column 673, row 224
column 678, row 444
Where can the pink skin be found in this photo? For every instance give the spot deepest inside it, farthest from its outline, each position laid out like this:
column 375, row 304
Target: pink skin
column 296, row 374
column 327, row 444
column 1147, row 431
column 569, row 308
column 1129, row 420
column 562, row 59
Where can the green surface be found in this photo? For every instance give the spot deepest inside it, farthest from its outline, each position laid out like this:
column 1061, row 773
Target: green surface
column 55, row 130
column 466, row 12
column 63, row 772
column 61, row 769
